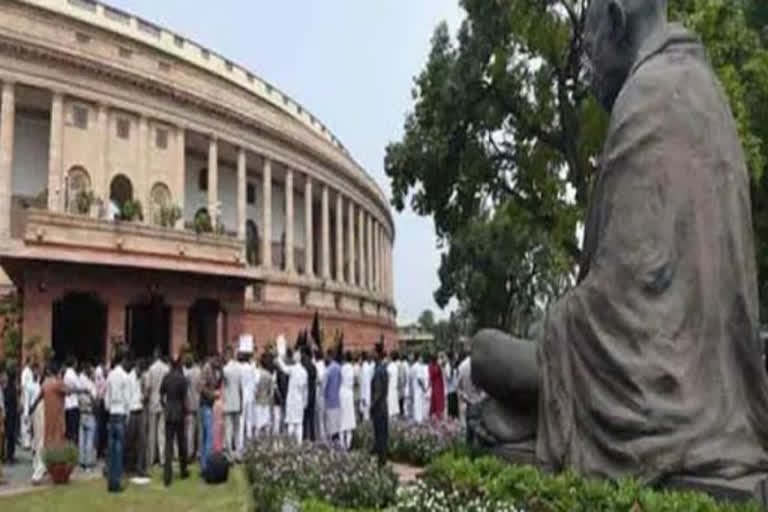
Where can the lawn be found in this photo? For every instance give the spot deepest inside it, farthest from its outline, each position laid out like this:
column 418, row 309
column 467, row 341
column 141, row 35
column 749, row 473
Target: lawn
column 191, row 495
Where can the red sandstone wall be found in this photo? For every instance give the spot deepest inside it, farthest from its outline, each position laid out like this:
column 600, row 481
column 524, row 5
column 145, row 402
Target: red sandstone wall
column 360, row 333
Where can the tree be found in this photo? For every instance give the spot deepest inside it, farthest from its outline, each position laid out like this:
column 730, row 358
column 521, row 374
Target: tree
column 427, row 320
column 501, row 145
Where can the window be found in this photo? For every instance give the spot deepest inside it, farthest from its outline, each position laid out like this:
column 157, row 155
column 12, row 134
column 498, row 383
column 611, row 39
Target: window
column 205, row 53
column 202, row 179
column 82, row 38
column 229, row 65
column 164, row 66
column 123, row 128
column 179, row 41
column 80, row 116
column 78, row 182
column 160, row 198
column 125, row 53
column 161, row 138
column 249, row 76
column 250, row 193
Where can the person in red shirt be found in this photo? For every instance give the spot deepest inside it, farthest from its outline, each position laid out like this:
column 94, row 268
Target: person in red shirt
column 437, row 383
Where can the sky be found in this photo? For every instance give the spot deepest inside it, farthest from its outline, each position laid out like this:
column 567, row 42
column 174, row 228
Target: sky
column 349, row 62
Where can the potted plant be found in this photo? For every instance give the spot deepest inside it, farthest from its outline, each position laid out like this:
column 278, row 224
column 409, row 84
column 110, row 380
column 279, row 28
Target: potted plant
column 169, row 216
column 203, row 222
column 60, row 460
column 131, row 210
column 83, row 202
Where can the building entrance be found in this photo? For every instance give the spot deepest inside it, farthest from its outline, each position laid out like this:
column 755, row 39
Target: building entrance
column 148, row 327
column 205, row 327
column 79, row 327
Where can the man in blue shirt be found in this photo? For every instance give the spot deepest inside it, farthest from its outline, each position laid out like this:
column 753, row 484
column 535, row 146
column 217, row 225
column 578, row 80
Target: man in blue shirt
column 379, row 408
column 332, row 401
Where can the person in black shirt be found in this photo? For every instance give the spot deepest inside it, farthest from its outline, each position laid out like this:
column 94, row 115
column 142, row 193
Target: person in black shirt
column 309, row 410
column 11, row 395
column 379, row 409
column 173, row 393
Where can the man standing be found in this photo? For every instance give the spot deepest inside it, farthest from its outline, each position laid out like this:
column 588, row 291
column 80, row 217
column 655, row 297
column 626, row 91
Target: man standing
column 156, row 435
column 366, row 374
column 173, row 392
column 393, row 396
column 209, row 393
column 86, row 404
column 469, row 395
column 332, row 398
column 27, row 380
column 233, row 404
column 309, row 411
column 248, row 377
column 192, row 411
column 379, row 407
column 136, row 435
column 11, row 395
column 117, row 400
column 296, row 398
column 71, row 408
column 320, row 396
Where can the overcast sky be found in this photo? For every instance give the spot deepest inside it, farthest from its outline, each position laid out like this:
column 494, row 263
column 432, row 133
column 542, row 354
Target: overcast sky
column 351, row 63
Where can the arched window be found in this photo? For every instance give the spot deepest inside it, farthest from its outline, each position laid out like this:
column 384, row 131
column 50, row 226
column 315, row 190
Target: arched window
column 202, row 179
column 159, row 197
column 120, row 190
column 78, row 181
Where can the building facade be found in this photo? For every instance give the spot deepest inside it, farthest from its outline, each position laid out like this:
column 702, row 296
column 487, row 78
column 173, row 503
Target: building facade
column 155, row 193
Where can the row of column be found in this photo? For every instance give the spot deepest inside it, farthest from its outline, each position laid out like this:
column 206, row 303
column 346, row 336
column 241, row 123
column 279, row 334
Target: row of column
column 367, row 267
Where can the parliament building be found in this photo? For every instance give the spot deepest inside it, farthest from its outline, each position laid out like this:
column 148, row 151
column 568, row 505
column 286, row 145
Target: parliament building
column 155, row 193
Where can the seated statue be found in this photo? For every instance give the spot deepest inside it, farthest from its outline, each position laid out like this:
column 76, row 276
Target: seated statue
column 651, row 366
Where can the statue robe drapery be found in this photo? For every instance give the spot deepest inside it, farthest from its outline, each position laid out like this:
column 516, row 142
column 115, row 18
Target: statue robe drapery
column 652, row 365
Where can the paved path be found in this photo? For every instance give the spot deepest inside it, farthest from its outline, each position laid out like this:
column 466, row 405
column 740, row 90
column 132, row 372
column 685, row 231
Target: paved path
column 18, row 477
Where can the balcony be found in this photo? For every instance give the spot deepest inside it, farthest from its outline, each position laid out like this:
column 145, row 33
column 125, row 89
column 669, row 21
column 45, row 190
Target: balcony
column 45, row 235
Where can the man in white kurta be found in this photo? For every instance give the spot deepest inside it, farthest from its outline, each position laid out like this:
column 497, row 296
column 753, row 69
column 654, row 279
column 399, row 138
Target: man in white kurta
column 27, row 388
column 393, row 396
column 366, row 375
column 421, row 391
column 233, row 405
column 297, row 396
column 249, row 377
column 320, row 431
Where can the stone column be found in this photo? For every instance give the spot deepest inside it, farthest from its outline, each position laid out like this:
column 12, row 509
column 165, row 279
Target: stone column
column 213, row 181
column 326, row 235
column 351, row 278
column 289, row 249
column 179, row 323
column 55, row 179
column 102, row 125
column 339, row 237
column 309, row 260
column 361, row 247
column 241, row 191
column 115, row 325
column 141, row 191
column 181, row 172
column 375, row 269
column 8, row 113
column 369, row 249
column 266, row 245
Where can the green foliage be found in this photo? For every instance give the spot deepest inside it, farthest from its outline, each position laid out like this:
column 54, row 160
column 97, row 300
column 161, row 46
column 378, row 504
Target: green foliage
column 203, row 222
column 132, row 210
column 501, row 142
column 527, row 488
column 427, row 320
column 65, row 453
column 414, row 444
column 83, row 201
column 168, row 216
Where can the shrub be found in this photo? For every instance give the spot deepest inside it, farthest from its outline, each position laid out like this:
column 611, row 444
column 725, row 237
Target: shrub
column 279, row 468
column 65, row 453
column 415, row 443
column 422, row 497
column 83, row 201
column 168, row 216
column 526, row 488
column 132, row 210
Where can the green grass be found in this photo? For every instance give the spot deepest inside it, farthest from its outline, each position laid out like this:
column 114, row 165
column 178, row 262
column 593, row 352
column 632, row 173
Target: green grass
column 191, row 495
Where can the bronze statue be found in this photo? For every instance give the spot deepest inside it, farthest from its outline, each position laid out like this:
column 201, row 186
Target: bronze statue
column 652, row 365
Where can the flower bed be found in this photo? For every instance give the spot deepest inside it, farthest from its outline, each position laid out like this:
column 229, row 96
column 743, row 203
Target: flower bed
column 417, row 444
column 279, row 468
column 497, row 484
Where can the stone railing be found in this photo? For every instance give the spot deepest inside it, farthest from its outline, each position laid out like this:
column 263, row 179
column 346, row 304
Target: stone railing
column 40, row 227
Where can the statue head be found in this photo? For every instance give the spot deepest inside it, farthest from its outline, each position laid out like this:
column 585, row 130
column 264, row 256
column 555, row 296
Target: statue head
column 614, row 33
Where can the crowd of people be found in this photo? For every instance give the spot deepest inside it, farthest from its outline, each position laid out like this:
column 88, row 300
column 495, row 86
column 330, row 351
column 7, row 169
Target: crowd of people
column 142, row 412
